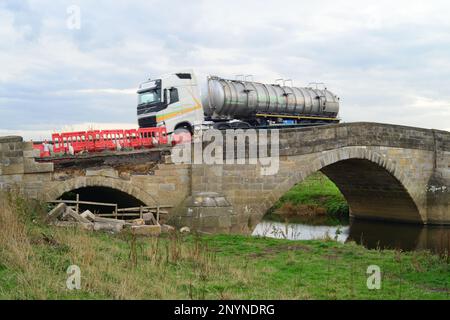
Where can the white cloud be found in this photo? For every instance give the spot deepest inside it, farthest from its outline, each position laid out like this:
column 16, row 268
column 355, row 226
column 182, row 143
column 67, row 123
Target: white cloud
column 109, row 91
column 388, row 61
column 40, row 135
column 431, row 103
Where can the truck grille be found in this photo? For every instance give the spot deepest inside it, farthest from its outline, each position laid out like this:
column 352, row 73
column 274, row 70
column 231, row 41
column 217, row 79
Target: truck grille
column 147, row 122
column 147, row 109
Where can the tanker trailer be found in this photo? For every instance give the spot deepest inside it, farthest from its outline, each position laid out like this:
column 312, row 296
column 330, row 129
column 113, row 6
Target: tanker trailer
column 180, row 101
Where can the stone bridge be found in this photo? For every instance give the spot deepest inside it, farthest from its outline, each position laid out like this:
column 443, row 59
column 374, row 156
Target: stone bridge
column 385, row 172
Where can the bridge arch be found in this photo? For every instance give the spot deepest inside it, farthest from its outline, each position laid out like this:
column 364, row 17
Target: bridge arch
column 373, row 183
column 56, row 191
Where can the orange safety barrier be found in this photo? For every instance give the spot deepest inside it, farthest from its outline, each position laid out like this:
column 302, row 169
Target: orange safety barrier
column 42, row 153
column 100, row 140
column 91, row 140
column 132, row 139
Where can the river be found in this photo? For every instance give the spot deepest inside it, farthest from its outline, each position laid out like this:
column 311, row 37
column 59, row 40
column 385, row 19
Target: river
column 371, row 234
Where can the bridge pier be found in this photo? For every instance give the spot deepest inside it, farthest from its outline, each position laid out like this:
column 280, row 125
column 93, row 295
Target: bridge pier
column 206, row 212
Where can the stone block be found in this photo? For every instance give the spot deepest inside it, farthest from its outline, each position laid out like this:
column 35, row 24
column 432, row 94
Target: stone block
column 28, row 146
column 167, row 187
column 108, row 220
column 72, row 224
column 165, row 172
column 70, row 215
column 13, row 169
column 57, row 212
column 16, row 160
column 88, row 216
column 104, row 172
column 138, row 222
column 13, row 153
column 31, row 153
column 31, row 166
column 10, row 139
column 152, row 231
column 37, row 178
column 108, row 226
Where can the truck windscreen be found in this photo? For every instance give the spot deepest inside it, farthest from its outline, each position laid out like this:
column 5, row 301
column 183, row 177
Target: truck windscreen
column 151, row 96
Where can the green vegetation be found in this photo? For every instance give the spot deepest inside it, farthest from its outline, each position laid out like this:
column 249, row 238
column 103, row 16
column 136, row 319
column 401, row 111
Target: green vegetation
column 316, row 200
column 34, row 259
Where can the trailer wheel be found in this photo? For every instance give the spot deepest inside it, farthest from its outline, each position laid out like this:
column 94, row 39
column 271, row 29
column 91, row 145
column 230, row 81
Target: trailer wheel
column 241, row 125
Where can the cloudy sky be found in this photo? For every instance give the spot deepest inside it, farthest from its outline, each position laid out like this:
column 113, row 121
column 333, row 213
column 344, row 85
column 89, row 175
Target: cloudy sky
column 389, row 61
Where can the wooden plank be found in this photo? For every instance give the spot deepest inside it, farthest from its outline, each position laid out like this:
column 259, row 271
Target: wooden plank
column 153, row 219
column 113, row 215
column 145, row 208
column 84, row 202
column 161, row 212
column 124, row 212
column 157, row 216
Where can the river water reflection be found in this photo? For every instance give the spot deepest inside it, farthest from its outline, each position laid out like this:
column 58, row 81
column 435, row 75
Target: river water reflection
column 371, row 234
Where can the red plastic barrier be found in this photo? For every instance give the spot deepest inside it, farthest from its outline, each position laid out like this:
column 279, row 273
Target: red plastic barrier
column 91, row 140
column 42, row 153
column 57, row 143
column 100, row 140
column 76, row 139
column 132, row 139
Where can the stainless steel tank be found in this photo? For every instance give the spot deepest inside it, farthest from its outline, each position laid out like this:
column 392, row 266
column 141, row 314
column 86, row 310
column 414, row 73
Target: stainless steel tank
column 244, row 99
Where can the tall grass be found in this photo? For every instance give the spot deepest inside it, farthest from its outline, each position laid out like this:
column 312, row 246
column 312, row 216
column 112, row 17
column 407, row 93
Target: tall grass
column 15, row 246
column 34, row 259
column 18, row 237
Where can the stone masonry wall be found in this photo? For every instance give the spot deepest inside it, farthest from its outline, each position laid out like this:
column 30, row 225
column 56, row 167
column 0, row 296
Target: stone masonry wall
column 18, row 168
column 406, row 153
column 410, row 164
column 164, row 184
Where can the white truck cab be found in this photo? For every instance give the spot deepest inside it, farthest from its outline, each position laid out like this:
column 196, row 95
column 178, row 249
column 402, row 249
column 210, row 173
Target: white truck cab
column 172, row 101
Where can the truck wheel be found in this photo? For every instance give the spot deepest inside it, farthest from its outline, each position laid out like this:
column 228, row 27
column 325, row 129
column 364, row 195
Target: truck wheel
column 222, row 126
column 181, row 135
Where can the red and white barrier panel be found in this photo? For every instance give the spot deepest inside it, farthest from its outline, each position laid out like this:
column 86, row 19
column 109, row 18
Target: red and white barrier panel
column 101, row 140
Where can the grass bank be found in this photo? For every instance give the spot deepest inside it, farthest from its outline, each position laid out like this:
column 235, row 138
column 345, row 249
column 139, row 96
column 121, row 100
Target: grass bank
column 34, row 259
column 316, row 200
